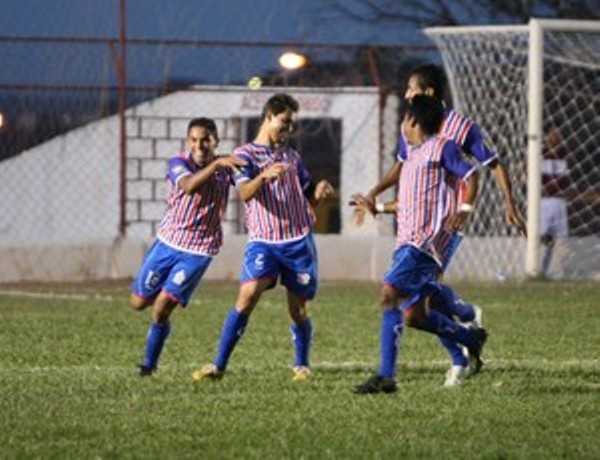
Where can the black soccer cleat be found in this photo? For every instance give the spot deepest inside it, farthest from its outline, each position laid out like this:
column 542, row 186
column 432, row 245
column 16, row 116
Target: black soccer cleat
column 145, row 371
column 376, row 384
column 475, row 361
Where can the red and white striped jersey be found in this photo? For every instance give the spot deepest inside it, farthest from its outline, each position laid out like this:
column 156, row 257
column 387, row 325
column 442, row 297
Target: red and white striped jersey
column 192, row 223
column 465, row 133
column 425, row 195
column 279, row 212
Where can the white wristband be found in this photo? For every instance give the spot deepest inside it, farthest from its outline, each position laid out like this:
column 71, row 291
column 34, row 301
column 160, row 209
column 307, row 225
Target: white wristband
column 466, row 207
column 379, row 207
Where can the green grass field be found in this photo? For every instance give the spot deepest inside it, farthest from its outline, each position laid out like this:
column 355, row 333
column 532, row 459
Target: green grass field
column 69, row 387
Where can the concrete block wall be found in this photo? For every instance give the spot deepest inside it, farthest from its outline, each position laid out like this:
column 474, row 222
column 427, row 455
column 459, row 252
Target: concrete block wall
column 151, row 141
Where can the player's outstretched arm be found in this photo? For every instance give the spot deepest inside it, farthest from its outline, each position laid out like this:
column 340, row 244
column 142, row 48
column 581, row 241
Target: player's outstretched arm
column 248, row 189
column 362, row 207
column 513, row 216
column 389, row 179
column 191, row 183
column 367, row 202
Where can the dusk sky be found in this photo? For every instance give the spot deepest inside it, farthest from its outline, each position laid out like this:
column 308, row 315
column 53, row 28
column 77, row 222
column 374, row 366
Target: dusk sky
column 228, row 20
column 257, row 20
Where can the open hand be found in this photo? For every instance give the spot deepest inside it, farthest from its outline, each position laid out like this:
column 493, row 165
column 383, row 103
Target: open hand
column 457, row 221
column 275, row 171
column 513, row 217
column 365, row 202
column 323, row 190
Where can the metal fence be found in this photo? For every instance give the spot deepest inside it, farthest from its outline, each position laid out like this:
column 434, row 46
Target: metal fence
column 53, row 86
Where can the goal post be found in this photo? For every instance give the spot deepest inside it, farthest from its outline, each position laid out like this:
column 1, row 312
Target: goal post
column 524, row 84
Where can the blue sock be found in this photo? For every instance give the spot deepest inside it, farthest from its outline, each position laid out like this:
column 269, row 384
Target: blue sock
column 157, row 334
column 447, row 302
column 440, row 325
column 391, row 331
column 301, row 336
column 233, row 329
column 455, row 352
column 453, row 349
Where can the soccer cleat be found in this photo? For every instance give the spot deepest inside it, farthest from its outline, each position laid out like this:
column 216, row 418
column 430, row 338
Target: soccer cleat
column 207, row 372
column 145, row 371
column 376, row 384
column 455, row 376
column 301, row 373
column 474, row 353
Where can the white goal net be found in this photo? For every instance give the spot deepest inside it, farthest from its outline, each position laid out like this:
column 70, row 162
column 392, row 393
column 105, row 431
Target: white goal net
column 535, row 91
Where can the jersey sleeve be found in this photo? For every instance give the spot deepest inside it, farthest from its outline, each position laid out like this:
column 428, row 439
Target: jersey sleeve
column 177, row 168
column 246, row 172
column 453, row 162
column 475, row 146
column 401, row 149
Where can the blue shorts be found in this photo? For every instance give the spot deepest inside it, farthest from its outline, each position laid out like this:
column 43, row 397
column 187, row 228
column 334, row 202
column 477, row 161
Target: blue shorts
column 295, row 262
column 451, row 250
column 413, row 273
column 171, row 270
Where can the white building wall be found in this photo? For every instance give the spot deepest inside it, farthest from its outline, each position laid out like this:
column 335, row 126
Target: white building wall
column 63, row 195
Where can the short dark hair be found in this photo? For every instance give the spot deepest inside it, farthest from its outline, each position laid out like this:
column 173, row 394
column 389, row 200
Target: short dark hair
column 203, row 122
column 427, row 111
column 431, row 76
column 279, row 103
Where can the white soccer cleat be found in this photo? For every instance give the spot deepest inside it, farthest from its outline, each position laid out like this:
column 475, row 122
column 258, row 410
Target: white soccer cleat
column 455, row 376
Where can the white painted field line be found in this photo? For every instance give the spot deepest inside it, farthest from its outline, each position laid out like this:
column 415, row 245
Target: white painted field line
column 92, row 297
column 491, row 364
column 55, row 295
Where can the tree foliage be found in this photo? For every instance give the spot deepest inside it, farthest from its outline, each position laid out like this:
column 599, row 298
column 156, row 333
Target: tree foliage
column 459, row 12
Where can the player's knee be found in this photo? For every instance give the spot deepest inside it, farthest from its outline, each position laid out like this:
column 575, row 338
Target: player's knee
column 389, row 297
column 248, row 297
column 414, row 317
column 298, row 313
column 161, row 316
column 163, row 307
column 137, row 302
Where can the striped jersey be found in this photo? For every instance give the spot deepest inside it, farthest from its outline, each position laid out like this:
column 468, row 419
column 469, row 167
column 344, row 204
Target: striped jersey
column 425, row 199
column 279, row 211
column 467, row 135
column 464, row 132
column 192, row 223
column 555, row 172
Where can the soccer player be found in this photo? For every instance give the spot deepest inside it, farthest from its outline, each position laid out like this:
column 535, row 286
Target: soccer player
column 189, row 234
column 554, row 222
column 427, row 214
column 431, row 80
column 278, row 196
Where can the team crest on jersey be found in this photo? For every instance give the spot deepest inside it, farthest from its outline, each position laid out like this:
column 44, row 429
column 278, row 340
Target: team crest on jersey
column 152, row 279
column 179, row 277
column 303, row 278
